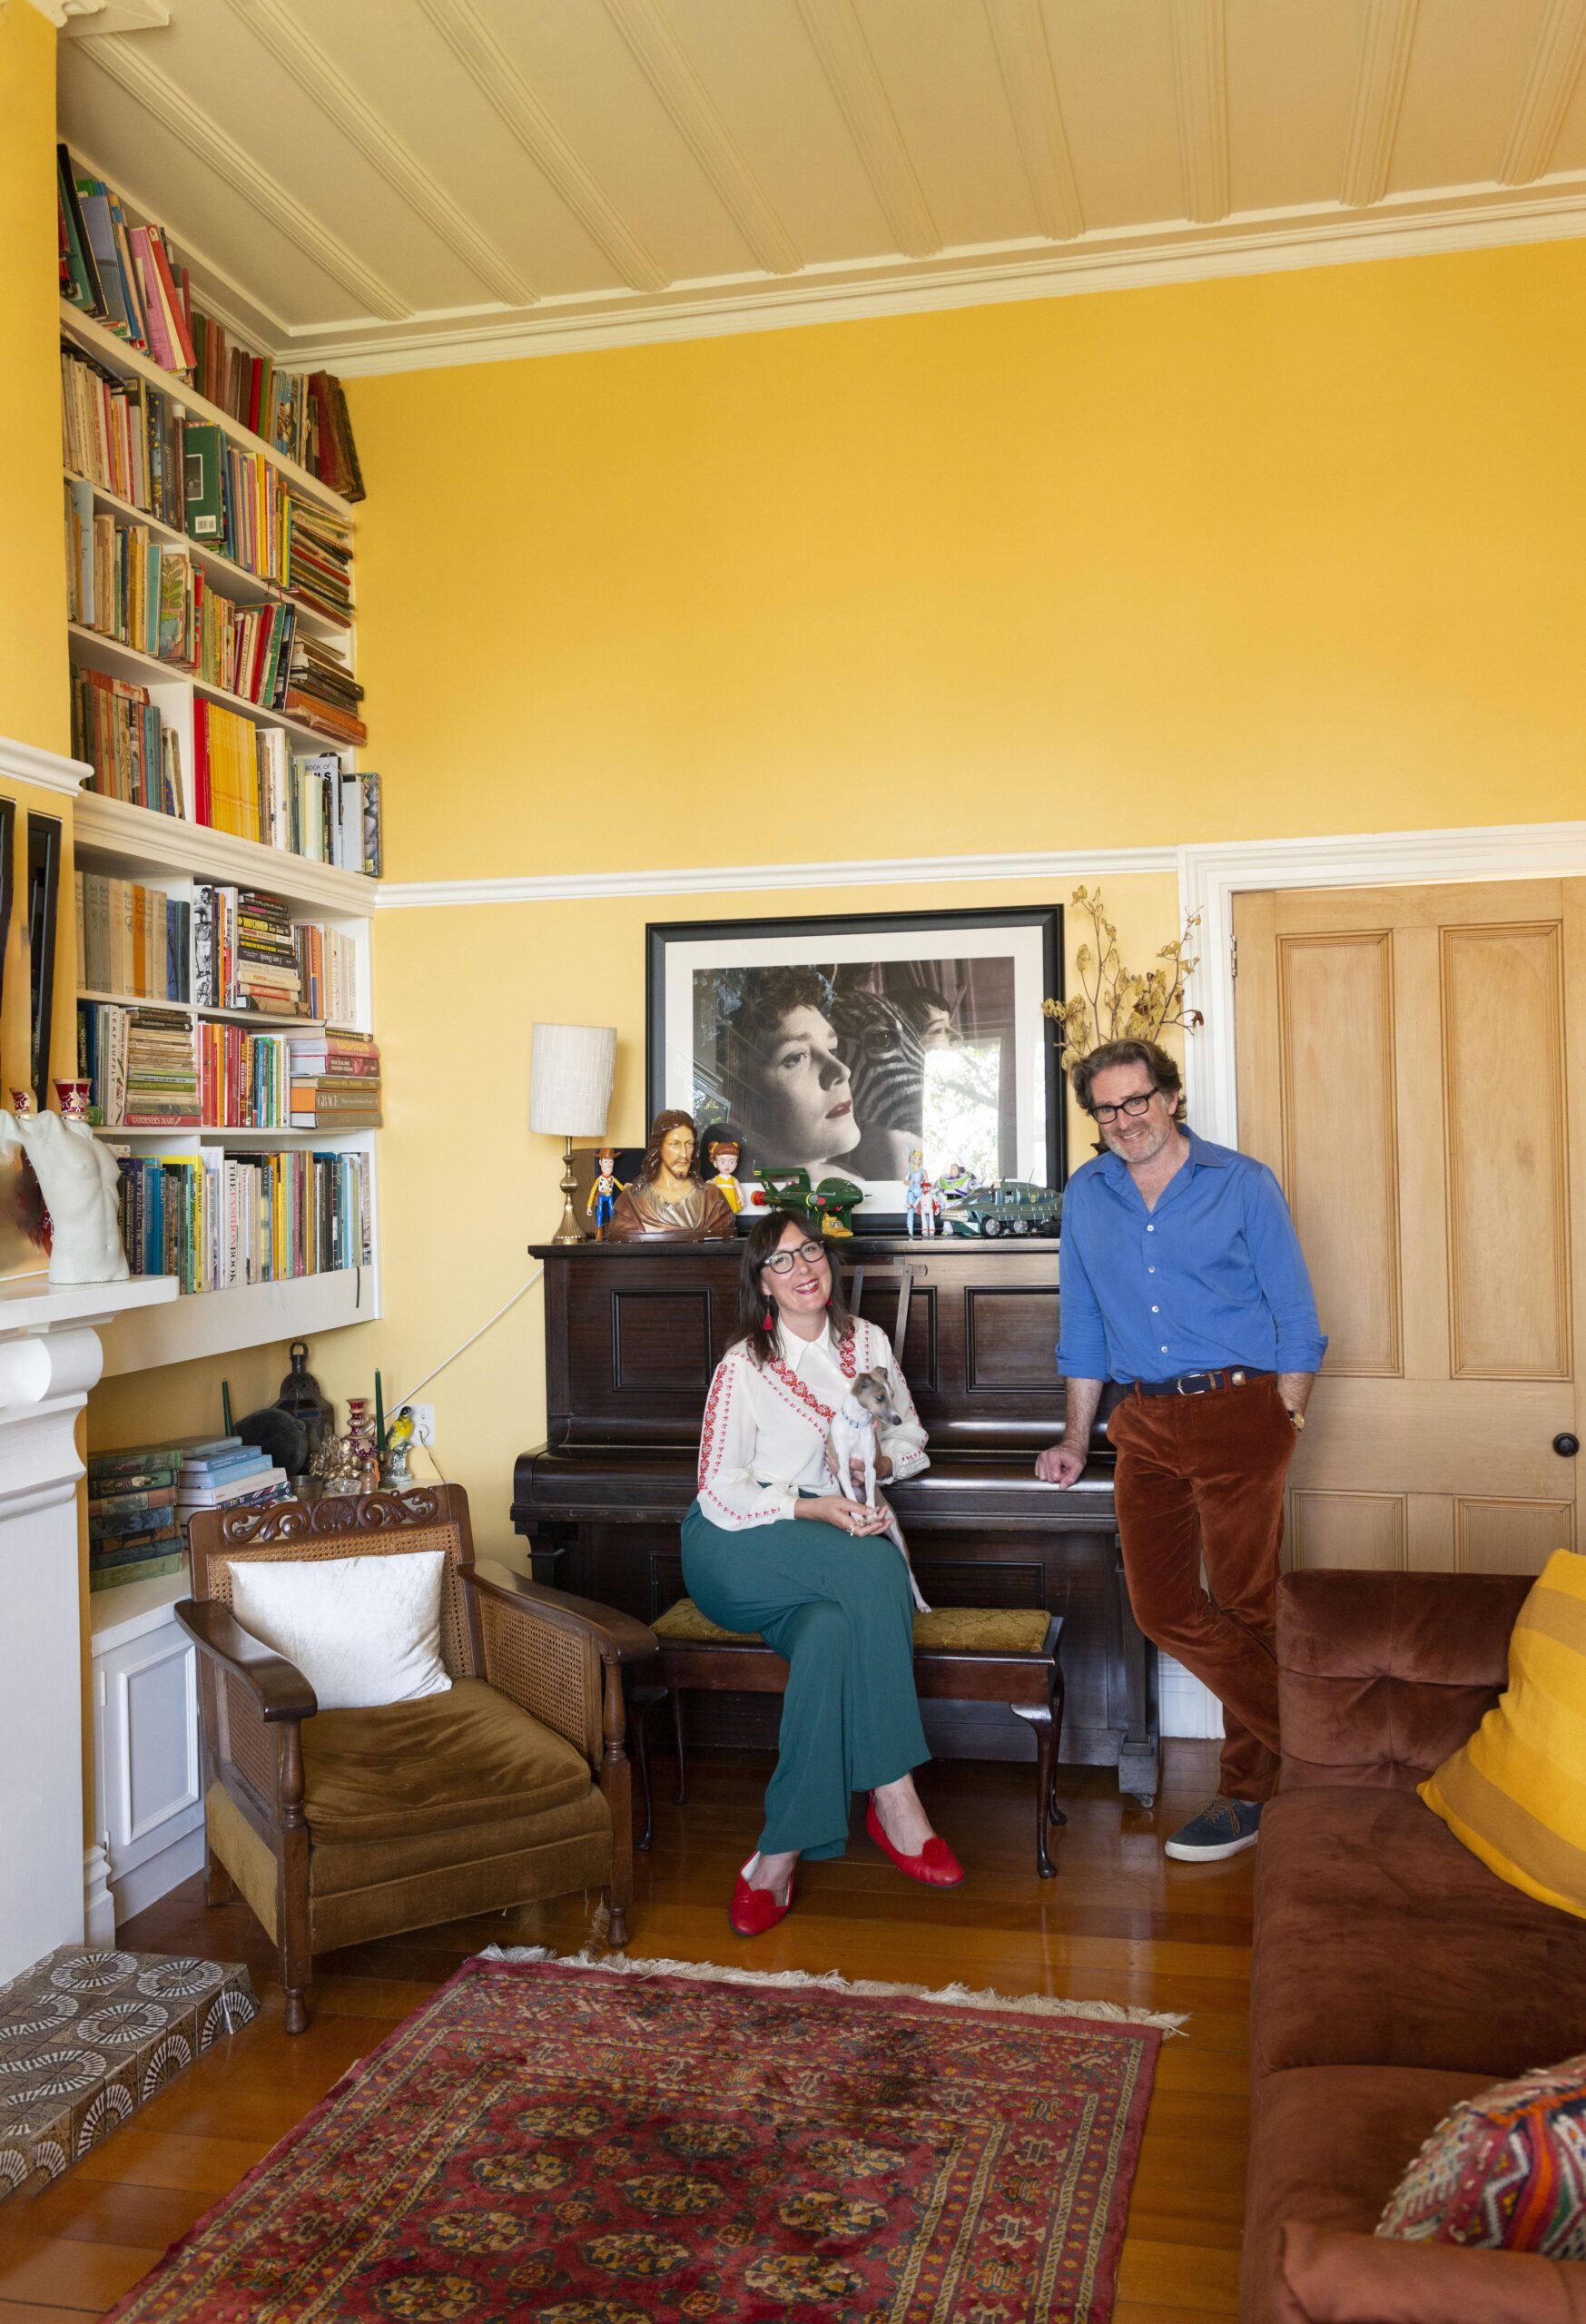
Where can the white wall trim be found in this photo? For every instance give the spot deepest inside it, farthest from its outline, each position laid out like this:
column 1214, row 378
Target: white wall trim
column 1210, row 877
column 1141, row 258
column 735, row 879
column 45, row 770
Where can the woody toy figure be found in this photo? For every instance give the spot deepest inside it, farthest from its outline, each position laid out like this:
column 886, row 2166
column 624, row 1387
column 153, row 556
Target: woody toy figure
column 604, row 1193
column 722, row 1155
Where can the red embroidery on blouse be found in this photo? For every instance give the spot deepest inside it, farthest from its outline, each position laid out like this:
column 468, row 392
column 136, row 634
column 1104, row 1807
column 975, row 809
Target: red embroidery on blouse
column 707, row 1432
column 848, row 1353
column 721, row 1389
column 805, row 1395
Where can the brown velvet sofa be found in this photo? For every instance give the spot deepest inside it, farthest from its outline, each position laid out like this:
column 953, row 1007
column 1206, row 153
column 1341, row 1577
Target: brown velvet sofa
column 1393, row 1974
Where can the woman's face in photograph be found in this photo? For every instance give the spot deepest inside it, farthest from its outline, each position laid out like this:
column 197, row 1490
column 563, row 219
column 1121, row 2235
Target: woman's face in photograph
column 805, row 1092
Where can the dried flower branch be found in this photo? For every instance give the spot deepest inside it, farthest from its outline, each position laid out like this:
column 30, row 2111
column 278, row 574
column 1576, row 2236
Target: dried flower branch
column 1115, row 1003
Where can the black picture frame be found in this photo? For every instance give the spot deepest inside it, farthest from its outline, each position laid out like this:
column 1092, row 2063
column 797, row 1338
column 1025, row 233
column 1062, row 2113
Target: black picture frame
column 43, row 897
column 914, row 947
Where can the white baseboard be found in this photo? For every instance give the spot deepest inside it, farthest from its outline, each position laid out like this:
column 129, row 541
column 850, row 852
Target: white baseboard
column 98, row 1903
column 1184, row 1705
column 146, row 1883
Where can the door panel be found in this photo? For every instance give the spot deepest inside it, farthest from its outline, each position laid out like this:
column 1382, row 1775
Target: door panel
column 1410, row 1063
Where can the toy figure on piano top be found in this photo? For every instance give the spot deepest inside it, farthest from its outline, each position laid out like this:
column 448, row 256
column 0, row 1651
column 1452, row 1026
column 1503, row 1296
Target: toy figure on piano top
column 722, row 1151
column 604, row 1193
column 667, row 1200
column 833, row 1202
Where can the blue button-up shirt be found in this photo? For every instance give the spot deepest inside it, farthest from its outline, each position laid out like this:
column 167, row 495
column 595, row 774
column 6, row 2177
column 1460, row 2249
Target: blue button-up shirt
column 1213, row 1276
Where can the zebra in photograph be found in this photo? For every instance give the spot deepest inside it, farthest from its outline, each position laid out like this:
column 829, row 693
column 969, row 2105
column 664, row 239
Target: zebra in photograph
column 884, row 1040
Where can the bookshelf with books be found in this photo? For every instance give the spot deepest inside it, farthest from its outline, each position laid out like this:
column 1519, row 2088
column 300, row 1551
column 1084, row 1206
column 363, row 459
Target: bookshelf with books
column 228, row 843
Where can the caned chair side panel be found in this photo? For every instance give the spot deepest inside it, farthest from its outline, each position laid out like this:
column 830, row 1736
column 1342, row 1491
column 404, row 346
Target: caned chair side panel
column 246, row 1741
column 549, row 1671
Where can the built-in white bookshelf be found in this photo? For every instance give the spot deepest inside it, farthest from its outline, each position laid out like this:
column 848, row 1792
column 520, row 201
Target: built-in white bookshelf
column 177, row 854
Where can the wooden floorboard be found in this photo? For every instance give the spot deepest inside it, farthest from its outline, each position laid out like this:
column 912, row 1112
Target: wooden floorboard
column 1119, row 1924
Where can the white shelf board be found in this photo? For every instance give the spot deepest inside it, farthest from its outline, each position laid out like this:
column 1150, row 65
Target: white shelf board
column 135, row 837
column 251, row 1314
column 117, row 355
column 117, row 1616
column 216, row 1134
column 232, row 581
column 31, row 1303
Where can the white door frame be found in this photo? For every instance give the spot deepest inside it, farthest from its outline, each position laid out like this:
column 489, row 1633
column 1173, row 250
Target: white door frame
column 1210, row 877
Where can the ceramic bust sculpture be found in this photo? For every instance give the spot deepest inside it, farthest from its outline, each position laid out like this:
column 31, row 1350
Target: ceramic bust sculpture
column 80, row 1182
column 666, row 1199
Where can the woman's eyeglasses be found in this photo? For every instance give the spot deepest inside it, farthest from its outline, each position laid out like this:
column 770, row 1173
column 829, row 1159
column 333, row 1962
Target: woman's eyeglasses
column 1105, row 1113
column 781, row 1261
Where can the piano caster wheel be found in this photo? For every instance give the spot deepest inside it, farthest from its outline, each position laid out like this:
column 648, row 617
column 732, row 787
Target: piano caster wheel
column 1145, row 1801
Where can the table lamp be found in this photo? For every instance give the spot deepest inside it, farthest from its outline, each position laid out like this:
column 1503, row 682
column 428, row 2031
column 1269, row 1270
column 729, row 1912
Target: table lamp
column 569, row 1091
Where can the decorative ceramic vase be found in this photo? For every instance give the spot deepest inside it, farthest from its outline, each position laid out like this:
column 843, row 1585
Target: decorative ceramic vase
column 74, row 1098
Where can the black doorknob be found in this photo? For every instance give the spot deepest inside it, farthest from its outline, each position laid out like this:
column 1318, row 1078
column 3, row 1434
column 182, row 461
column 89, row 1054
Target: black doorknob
column 1566, row 1446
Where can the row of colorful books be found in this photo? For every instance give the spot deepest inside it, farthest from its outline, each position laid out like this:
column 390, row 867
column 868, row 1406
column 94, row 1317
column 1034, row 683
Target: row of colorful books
column 126, row 277
column 125, row 583
column 215, row 1220
column 249, row 953
column 135, row 754
column 243, row 1077
column 130, row 939
column 125, row 435
column 140, row 1498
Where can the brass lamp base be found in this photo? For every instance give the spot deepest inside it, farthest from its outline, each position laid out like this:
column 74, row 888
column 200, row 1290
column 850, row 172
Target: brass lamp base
column 570, row 1231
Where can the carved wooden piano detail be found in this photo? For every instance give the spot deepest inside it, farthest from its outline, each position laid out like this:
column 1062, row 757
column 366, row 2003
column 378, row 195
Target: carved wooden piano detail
column 632, row 1334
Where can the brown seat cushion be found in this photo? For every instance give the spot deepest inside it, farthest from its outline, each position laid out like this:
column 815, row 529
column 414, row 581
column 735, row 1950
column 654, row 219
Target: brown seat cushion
column 1328, row 2144
column 1380, row 1939
column 468, row 1757
column 957, row 1629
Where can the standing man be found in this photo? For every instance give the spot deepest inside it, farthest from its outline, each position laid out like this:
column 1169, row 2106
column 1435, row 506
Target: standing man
column 1183, row 1278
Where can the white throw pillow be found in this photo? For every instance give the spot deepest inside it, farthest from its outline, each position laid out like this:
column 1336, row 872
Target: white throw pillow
column 364, row 1632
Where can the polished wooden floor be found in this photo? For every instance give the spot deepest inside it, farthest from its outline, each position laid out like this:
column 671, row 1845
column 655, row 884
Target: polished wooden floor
column 1119, row 1924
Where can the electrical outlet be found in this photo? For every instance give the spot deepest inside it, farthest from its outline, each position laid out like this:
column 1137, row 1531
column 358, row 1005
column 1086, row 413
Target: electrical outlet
column 423, row 1423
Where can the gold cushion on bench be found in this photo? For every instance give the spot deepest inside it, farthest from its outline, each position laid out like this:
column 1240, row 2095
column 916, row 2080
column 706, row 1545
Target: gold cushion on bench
column 947, row 1629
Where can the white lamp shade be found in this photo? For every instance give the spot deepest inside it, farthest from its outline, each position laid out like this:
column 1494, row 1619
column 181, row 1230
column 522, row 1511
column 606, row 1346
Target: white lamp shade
column 569, row 1082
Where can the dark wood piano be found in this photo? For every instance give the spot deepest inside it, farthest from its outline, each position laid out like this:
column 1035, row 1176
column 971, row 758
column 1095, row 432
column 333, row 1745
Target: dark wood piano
column 632, row 1334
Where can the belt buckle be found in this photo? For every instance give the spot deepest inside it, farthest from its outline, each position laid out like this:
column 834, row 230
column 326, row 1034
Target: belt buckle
column 1181, row 1390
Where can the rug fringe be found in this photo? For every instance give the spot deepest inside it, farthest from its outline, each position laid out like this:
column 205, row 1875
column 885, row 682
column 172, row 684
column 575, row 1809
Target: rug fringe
column 955, row 1996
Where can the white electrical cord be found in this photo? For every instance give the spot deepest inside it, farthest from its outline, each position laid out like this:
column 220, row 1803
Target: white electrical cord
column 469, row 1343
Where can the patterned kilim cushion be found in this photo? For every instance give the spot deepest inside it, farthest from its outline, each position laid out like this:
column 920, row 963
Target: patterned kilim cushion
column 1505, row 2172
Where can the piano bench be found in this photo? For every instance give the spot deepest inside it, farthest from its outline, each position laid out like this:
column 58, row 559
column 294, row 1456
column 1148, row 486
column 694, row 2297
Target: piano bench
column 975, row 1654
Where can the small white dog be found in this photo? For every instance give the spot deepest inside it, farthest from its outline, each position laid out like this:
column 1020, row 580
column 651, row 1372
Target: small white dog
column 868, row 1406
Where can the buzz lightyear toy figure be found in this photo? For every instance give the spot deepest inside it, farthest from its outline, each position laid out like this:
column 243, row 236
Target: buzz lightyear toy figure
column 604, row 1193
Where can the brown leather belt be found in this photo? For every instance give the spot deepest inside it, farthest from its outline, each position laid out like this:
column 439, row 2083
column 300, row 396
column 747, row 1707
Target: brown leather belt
column 1200, row 1384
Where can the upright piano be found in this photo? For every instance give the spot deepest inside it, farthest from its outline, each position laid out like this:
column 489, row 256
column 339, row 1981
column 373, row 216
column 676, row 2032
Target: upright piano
column 632, row 1334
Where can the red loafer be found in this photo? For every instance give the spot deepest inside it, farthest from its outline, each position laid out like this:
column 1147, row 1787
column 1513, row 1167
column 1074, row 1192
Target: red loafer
column 936, row 1863
column 755, row 1910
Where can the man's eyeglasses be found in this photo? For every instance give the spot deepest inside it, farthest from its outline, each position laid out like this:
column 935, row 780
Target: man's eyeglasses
column 781, row 1261
column 1105, row 1113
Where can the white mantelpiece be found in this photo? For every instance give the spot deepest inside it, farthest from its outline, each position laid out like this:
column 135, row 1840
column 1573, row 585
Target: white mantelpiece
column 50, row 1357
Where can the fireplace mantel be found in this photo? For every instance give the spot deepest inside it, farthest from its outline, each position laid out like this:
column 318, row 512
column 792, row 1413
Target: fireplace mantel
column 50, row 1357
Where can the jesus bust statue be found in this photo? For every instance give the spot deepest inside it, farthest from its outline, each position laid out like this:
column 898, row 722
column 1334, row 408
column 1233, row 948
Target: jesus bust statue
column 667, row 1198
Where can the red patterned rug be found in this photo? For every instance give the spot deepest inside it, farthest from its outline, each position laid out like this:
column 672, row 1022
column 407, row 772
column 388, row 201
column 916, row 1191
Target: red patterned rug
column 548, row 2141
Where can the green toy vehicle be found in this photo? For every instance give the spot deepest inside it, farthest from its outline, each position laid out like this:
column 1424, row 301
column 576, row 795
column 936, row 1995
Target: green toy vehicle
column 1011, row 1208
column 833, row 1202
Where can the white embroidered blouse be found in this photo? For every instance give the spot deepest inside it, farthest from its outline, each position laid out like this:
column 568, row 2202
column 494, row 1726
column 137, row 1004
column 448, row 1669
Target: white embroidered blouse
column 766, row 1426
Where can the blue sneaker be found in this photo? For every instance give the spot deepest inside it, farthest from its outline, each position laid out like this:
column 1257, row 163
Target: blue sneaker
column 1224, row 1829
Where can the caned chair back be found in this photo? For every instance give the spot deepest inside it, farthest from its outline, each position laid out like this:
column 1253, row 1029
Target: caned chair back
column 364, row 1525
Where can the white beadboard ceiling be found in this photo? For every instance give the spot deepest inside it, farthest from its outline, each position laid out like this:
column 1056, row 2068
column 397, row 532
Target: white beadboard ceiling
column 377, row 184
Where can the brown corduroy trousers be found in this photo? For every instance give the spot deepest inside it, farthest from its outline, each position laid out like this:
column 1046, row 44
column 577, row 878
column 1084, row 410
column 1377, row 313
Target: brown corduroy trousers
column 1200, row 1481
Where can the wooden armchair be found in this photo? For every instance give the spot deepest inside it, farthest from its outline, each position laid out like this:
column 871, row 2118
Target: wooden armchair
column 343, row 1825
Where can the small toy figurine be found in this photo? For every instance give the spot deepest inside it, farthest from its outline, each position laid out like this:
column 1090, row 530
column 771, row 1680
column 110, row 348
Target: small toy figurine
column 915, row 1207
column 604, row 1193
column 722, row 1155
column 956, row 1182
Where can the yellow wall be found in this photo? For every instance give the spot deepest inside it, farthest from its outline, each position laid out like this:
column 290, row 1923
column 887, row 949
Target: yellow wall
column 1291, row 554
column 34, row 704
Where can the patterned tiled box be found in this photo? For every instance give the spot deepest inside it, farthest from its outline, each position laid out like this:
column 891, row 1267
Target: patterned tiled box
column 86, row 2037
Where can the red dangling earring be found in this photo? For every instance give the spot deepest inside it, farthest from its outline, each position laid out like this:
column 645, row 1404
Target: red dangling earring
column 769, row 1320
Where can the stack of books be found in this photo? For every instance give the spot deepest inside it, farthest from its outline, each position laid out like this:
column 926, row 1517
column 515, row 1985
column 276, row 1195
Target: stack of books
column 246, row 950
column 123, row 434
column 124, row 584
column 244, row 1077
column 133, row 1531
column 318, row 560
column 321, row 691
column 130, row 939
column 225, row 1473
column 162, row 1071
column 335, row 1081
column 134, row 754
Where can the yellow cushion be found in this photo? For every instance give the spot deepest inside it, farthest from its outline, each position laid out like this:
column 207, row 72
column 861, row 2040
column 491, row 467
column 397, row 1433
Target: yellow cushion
column 1515, row 1793
column 960, row 1629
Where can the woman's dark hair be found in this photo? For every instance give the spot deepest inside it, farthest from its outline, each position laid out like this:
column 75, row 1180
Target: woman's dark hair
column 660, row 1130
column 753, row 1299
column 1165, row 1074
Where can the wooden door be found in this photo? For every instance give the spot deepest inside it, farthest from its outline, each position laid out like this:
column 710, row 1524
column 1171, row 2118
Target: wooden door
column 1412, row 1064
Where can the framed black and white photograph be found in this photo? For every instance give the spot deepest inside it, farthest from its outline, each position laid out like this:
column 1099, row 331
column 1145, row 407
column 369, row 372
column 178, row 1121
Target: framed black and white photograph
column 841, row 1045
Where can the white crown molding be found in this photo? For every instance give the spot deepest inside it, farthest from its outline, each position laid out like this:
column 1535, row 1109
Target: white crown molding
column 838, row 39
column 126, row 64
column 1200, row 88
column 1555, row 68
column 495, row 75
column 660, row 57
column 1020, row 36
column 1387, row 30
column 323, row 82
column 1479, row 218
column 759, row 879
column 45, row 770
column 1210, row 877
column 89, row 18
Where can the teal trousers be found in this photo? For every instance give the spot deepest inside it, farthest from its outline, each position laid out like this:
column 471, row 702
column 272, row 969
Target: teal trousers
column 839, row 1612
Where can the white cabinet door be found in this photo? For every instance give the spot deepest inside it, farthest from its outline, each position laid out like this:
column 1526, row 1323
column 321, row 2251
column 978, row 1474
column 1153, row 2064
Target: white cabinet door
column 150, row 1804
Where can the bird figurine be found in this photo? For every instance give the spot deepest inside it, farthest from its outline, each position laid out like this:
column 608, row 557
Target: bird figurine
column 396, row 1473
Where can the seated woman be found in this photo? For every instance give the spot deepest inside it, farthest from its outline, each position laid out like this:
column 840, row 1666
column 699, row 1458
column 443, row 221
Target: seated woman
column 775, row 1543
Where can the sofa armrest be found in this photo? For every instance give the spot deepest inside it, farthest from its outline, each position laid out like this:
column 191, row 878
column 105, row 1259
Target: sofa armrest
column 1328, row 2278
column 1382, row 1675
